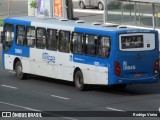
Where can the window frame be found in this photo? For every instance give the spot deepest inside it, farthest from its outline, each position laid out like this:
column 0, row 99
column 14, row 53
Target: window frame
column 95, row 45
column 24, row 40
column 100, row 47
column 41, row 47
column 33, row 45
column 59, row 37
column 53, row 48
column 82, row 43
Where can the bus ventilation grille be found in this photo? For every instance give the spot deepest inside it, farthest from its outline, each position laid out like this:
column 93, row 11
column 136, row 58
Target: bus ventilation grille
column 79, row 21
column 110, row 25
column 122, row 26
column 63, row 20
column 96, row 23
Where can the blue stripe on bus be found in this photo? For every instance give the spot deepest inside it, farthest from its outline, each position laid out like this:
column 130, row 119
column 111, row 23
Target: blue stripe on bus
column 89, row 60
column 16, row 50
column 17, row 22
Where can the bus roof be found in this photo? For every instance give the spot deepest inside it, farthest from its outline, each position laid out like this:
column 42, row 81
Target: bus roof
column 65, row 24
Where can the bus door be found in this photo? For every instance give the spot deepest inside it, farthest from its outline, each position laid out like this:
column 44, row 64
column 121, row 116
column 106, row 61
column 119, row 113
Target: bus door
column 137, row 56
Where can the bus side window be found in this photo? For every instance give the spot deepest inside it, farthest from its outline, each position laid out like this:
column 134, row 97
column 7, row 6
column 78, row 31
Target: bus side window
column 52, row 40
column 77, row 40
column 30, row 41
column 40, row 38
column 8, row 36
column 90, row 47
column 64, row 41
column 20, row 35
column 104, row 47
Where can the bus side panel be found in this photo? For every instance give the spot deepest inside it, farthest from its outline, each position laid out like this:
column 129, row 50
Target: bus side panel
column 65, row 67
column 51, row 64
column 105, row 71
column 61, row 68
column 9, row 61
column 94, row 69
column 22, row 52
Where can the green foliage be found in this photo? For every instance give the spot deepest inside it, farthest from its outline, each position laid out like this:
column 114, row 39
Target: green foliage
column 1, row 22
column 33, row 4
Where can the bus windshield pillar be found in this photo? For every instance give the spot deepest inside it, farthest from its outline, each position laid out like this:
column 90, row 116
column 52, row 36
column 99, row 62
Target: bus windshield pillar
column 2, row 37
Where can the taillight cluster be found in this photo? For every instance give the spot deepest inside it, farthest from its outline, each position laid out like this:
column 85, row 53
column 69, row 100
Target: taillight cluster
column 117, row 69
column 156, row 66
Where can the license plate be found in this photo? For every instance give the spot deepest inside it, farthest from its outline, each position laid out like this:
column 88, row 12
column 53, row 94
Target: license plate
column 138, row 75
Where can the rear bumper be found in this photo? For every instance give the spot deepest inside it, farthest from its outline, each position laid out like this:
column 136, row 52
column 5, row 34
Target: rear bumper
column 119, row 80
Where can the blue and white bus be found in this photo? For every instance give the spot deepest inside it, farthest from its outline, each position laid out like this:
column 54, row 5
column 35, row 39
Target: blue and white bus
column 84, row 53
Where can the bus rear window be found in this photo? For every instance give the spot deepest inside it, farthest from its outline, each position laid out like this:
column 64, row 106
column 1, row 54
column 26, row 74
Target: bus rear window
column 139, row 42
column 128, row 42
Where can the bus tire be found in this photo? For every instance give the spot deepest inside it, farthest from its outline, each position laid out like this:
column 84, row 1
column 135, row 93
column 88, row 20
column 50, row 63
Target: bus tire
column 78, row 80
column 20, row 75
column 100, row 6
column 82, row 5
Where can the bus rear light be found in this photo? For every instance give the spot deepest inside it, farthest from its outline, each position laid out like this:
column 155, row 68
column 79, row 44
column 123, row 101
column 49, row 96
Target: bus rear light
column 156, row 66
column 117, row 69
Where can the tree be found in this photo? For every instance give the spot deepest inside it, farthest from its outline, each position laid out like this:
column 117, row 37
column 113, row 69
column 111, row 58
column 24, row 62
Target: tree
column 34, row 5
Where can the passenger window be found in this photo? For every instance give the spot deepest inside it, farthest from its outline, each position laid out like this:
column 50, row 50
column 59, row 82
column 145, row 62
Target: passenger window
column 64, row 41
column 41, row 38
column 77, row 39
column 90, row 48
column 30, row 36
column 20, row 35
column 52, row 39
column 8, row 36
column 104, row 47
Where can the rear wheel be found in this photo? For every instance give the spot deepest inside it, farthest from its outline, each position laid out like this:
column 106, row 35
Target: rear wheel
column 19, row 71
column 82, row 5
column 100, row 6
column 78, row 80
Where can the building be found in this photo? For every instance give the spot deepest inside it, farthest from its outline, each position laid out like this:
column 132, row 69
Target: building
column 52, row 8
